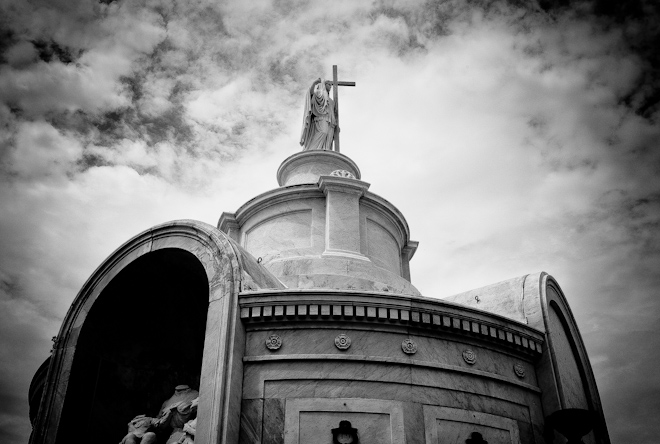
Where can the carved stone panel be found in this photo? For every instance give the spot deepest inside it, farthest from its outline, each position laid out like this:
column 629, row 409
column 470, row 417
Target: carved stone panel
column 312, row 420
column 445, row 425
column 343, row 173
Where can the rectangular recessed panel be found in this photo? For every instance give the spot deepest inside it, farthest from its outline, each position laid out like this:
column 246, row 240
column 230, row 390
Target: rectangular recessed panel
column 457, row 432
column 312, row 420
column 445, row 425
column 283, row 232
column 382, row 248
column 316, row 427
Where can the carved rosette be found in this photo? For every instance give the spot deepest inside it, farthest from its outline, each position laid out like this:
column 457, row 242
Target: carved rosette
column 519, row 370
column 409, row 347
column 343, row 173
column 273, row 342
column 342, row 342
column 469, row 356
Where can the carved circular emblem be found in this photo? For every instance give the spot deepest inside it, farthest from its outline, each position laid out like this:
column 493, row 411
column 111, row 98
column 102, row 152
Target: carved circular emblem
column 409, row 347
column 342, row 342
column 273, row 342
column 342, row 173
column 519, row 370
column 469, row 356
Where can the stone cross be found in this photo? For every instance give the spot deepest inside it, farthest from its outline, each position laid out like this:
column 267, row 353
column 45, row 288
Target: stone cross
column 335, row 96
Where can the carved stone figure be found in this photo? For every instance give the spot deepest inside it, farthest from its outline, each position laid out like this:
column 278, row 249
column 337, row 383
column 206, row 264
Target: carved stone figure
column 319, row 117
column 189, row 430
column 174, row 414
column 138, row 431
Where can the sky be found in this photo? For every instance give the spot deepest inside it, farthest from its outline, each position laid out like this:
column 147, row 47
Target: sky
column 515, row 137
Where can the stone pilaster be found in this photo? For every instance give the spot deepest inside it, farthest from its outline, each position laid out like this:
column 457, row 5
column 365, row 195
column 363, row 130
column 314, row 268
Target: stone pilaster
column 342, row 225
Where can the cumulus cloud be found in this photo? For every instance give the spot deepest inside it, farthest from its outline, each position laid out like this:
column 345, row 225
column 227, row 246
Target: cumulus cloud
column 514, row 139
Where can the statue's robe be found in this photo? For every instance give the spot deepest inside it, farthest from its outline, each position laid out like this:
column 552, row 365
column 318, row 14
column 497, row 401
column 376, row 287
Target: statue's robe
column 189, row 429
column 319, row 120
column 176, row 411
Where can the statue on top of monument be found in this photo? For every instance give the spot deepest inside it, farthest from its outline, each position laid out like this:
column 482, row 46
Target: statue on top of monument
column 319, row 117
column 175, row 413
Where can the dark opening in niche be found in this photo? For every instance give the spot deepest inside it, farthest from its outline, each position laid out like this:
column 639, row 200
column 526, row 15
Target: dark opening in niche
column 144, row 335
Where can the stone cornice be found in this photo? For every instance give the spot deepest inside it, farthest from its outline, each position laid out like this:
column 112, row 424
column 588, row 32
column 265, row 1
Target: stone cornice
column 432, row 315
column 342, row 184
column 275, row 196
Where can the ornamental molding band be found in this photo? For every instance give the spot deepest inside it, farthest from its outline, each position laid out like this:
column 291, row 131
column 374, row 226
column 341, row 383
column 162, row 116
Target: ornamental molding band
column 342, row 342
column 273, row 342
column 343, row 173
column 519, row 370
column 469, row 356
column 409, row 347
column 271, row 309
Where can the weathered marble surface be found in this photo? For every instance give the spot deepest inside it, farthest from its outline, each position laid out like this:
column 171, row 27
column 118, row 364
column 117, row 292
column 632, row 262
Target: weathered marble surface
column 381, row 247
column 251, row 421
column 564, row 370
column 572, row 386
column 303, row 259
column 265, row 233
column 522, row 407
column 378, row 344
column 273, row 423
column 316, row 427
column 369, row 310
column 291, row 230
column 338, row 272
column 325, row 231
column 504, row 298
column 342, row 229
column 256, row 375
column 453, row 426
column 312, row 419
column 308, row 365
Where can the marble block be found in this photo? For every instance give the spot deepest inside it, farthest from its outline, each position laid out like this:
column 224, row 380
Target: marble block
column 311, row 420
column 444, row 425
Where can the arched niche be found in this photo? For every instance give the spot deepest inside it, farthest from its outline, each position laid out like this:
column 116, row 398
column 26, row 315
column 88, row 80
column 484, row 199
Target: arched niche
column 143, row 336
column 224, row 263
column 571, row 376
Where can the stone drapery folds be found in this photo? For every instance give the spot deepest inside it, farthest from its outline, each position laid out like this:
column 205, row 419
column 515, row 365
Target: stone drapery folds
column 319, row 117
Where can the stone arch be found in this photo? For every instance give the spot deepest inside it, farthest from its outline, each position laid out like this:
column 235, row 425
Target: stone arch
column 561, row 326
column 221, row 368
column 555, row 305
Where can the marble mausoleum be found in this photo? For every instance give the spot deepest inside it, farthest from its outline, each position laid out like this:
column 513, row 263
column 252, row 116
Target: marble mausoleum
column 296, row 320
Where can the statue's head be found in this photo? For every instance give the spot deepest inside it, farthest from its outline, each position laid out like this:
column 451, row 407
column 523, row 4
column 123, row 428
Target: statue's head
column 328, row 85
